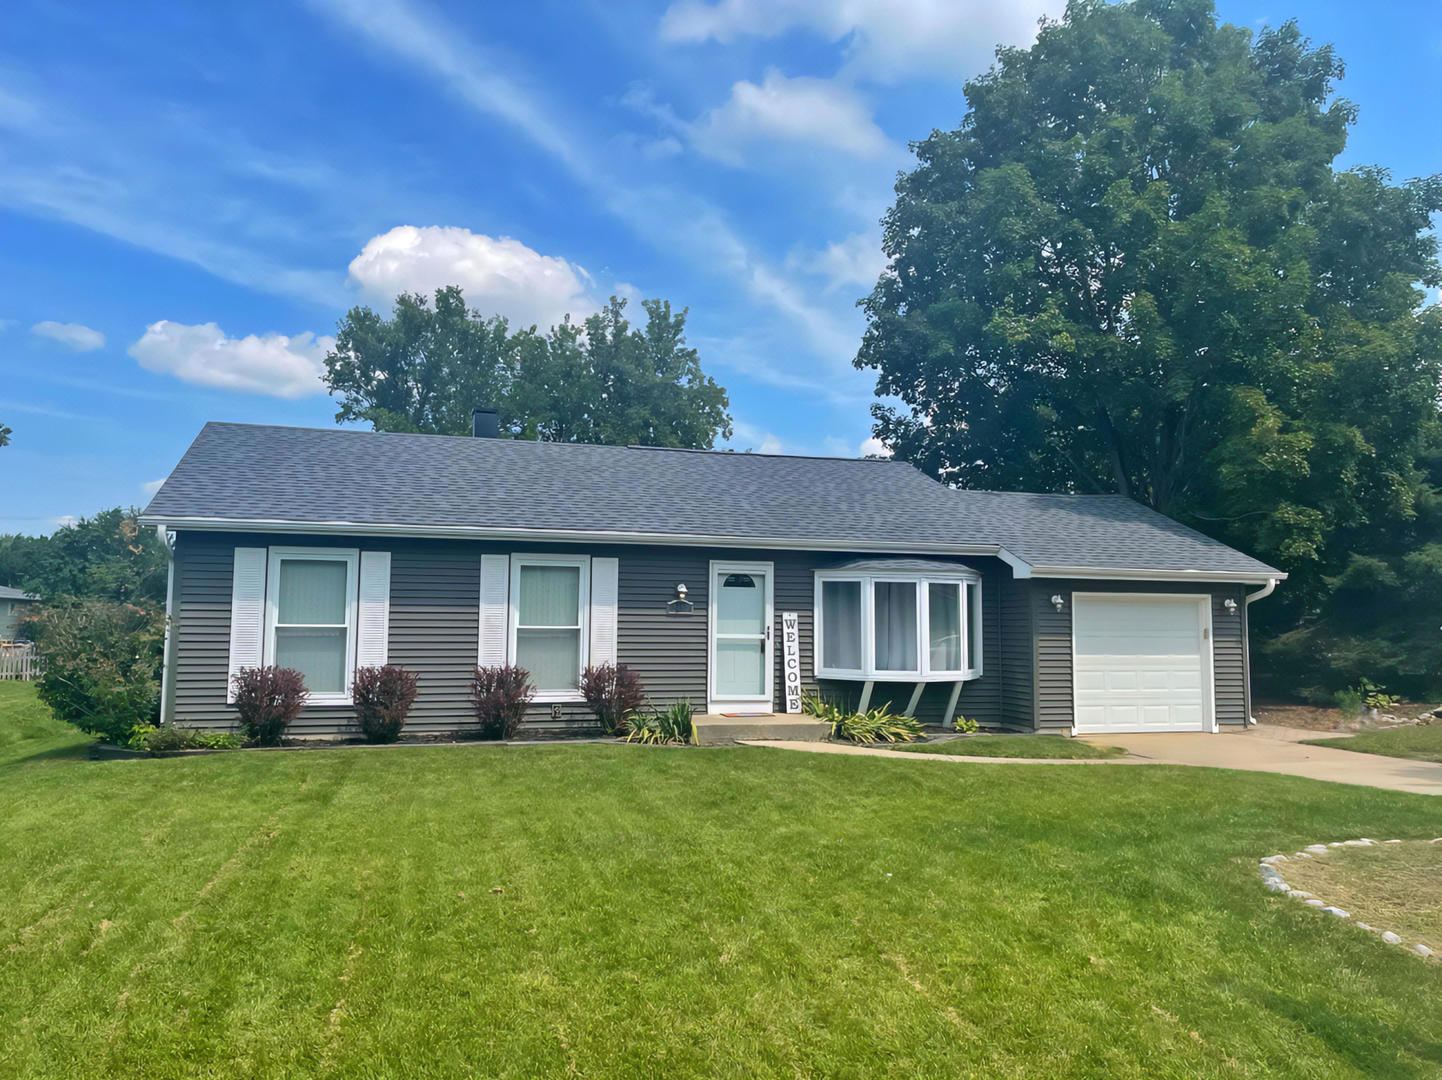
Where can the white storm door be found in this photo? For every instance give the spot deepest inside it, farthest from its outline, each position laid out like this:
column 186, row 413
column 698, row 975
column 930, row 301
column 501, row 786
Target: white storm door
column 1141, row 663
column 740, row 617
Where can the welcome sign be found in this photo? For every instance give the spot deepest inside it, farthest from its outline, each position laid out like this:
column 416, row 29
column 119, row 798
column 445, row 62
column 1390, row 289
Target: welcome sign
column 791, row 660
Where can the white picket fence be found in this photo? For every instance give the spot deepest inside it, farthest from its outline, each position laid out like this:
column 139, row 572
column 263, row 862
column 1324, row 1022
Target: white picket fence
column 18, row 662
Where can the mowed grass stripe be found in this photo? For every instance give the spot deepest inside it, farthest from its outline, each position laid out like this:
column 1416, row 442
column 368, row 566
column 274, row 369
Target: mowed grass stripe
column 730, row 912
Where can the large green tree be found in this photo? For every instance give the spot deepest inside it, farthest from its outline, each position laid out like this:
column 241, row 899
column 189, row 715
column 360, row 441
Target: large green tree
column 1134, row 268
column 604, row 380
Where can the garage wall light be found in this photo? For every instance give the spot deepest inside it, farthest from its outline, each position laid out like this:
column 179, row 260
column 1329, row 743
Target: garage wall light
column 1230, row 605
column 1058, row 602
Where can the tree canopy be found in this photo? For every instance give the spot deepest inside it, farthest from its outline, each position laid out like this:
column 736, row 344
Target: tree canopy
column 427, row 366
column 106, row 557
column 1134, row 268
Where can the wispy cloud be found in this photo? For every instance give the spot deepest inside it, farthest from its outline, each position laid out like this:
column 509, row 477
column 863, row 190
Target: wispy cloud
column 664, row 218
column 73, row 336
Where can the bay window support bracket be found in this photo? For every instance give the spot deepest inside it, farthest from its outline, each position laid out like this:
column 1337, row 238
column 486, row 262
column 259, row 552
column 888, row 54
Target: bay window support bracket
column 865, row 696
column 949, row 718
column 915, row 700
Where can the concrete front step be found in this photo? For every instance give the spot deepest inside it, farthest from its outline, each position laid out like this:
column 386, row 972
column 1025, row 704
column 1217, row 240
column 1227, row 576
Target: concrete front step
column 727, row 730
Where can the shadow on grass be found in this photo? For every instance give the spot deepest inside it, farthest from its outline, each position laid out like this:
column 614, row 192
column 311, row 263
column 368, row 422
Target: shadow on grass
column 1374, row 1049
column 77, row 751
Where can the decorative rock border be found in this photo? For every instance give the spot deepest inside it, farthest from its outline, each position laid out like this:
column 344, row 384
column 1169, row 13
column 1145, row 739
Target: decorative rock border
column 1273, row 880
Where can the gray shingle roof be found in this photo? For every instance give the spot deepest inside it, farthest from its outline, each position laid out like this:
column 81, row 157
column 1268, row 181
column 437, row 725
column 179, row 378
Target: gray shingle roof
column 8, row 593
column 244, row 474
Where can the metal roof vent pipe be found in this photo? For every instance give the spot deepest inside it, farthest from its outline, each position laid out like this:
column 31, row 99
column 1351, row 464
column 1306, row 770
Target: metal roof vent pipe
column 485, row 424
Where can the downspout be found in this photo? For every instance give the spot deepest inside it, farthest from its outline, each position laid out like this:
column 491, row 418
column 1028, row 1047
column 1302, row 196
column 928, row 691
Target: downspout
column 167, row 665
column 1265, row 591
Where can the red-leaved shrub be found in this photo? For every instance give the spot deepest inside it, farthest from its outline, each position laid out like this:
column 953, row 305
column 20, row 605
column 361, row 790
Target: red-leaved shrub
column 268, row 699
column 500, row 696
column 383, row 697
column 614, row 693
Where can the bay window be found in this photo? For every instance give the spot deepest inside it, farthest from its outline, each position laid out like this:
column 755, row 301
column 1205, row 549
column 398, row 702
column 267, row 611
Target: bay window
column 311, row 618
column 911, row 627
column 549, row 607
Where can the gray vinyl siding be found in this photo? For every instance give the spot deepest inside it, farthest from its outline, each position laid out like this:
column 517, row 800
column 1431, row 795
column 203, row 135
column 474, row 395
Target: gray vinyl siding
column 1053, row 653
column 434, row 623
column 1026, row 681
column 1017, row 654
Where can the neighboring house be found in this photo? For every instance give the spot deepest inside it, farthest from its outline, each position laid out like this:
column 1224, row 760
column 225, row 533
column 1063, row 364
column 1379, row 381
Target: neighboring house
column 13, row 603
column 324, row 550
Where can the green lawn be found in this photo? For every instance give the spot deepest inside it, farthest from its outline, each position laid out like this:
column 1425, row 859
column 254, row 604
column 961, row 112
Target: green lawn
column 1423, row 742
column 1027, row 746
column 605, row 911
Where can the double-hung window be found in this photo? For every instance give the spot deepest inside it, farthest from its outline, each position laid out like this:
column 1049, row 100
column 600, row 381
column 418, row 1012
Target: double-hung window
column 311, row 617
column 909, row 626
column 549, row 610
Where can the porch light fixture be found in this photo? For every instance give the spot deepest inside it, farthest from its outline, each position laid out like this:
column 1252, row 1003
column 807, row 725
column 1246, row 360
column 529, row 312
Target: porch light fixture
column 681, row 591
column 1058, row 602
column 1230, row 605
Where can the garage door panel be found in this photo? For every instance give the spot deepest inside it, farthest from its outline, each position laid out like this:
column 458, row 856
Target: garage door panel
column 1139, row 664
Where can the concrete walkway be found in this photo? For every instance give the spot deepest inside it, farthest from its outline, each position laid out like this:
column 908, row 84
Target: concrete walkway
column 1251, row 752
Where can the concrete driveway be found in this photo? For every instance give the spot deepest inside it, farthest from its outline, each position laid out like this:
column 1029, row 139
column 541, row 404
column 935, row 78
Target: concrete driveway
column 1279, row 750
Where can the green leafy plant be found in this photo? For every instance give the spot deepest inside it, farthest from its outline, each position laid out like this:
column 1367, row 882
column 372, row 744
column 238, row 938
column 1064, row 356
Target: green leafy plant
column 964, row 724
column 383, row 697
column 499, row 696
column 614, row 693
column 100, row 665
column 169, row 738
column 874, row 725
column 1365, row 694
column 673, row 725
column 267, row 699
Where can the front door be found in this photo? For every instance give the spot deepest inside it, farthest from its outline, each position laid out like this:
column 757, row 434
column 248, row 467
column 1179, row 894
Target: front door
column 741, row 668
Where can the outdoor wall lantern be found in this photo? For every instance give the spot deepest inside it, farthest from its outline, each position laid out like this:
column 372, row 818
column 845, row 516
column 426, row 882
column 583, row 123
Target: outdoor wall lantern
column 680, row 605
column 1058, row 602
column 681, row 591
column 1230, row 605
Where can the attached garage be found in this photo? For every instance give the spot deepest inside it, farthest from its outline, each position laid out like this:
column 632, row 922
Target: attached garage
column 1142, row 662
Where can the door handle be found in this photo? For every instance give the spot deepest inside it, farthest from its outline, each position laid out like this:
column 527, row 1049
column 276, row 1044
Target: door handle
column 768, row 632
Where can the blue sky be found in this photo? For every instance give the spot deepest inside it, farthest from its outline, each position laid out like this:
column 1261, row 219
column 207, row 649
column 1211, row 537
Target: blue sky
column 192, row 194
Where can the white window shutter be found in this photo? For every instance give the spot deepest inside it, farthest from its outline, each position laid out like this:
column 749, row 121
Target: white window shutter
column 604, row 596
column 373, row 615
column 495, row 609
column 247, row 614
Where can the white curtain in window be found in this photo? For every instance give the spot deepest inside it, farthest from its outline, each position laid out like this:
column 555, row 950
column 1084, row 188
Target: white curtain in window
column 312, row 591
column 550, row 596
column 944, row 626
column 841, row 625
column 548, row 626
column 973, row 619
column 895, row 622
column 310, row 632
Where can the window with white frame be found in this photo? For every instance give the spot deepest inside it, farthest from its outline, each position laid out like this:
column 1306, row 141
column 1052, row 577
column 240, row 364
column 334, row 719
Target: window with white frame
column 311, row 617
column 902, row 626
column 549, row 608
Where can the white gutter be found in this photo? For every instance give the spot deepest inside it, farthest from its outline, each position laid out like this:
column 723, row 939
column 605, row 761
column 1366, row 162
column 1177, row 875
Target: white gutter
column 1266, row 590
column 167, row 667
column 1112, row 573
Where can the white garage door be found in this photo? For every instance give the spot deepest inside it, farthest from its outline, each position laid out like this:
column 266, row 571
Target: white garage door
column 1141, row 663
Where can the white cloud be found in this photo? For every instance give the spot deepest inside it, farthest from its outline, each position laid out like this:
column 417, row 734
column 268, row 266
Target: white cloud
column 749, row 437
column 150, row 487
column 790, row 112
column 71, row 335
column 874, row 447
column 502, row 275
column 274, row 364
column 852, row 263
column 883, row 39
column 65, row 521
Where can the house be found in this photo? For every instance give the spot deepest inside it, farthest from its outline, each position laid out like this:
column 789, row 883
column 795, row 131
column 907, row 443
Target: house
column 13, row 603
column 324, row 550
